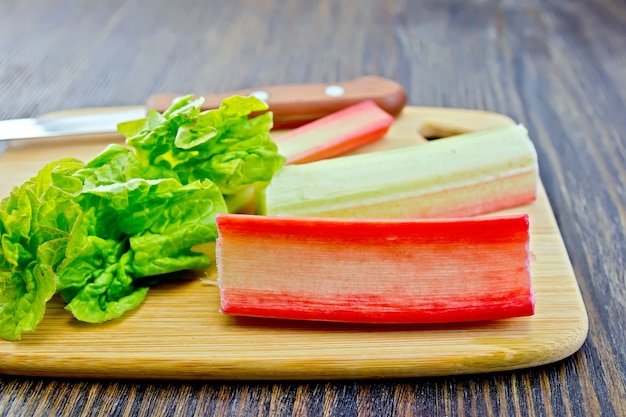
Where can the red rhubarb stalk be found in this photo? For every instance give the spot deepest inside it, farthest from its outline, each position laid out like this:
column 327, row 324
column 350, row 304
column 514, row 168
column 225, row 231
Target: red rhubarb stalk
column 375, row 271
column 335, row 134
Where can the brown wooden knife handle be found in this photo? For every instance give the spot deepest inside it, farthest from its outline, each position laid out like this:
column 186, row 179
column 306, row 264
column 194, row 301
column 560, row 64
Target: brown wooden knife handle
column 297, row 104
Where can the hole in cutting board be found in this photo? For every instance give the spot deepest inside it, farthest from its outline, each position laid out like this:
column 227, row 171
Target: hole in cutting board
column 430, row 130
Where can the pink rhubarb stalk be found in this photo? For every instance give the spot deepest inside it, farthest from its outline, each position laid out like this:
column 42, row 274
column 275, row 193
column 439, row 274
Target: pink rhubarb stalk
column 335, row 134
column 375, row 271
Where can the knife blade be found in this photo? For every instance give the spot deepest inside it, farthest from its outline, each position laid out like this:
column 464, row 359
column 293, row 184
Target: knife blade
column 291, row 105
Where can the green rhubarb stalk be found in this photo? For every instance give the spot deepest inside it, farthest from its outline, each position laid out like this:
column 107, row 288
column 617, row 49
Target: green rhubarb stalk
column 374, row 270
column 463, row 175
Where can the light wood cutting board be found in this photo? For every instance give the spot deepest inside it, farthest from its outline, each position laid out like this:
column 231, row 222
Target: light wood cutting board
column 178, row 333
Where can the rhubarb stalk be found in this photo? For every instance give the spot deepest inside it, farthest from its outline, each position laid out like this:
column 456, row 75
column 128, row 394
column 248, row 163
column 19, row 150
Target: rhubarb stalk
column 335, row 134
column 374, row 271
column 458, row 176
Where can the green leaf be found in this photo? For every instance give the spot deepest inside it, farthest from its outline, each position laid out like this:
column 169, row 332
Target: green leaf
column 141, row 228
column 110, row 293
column 35, row 220
column 95, row 231
column 230, row 146
column 163, row 220
column 95, row 278
column 23, row 296
column 130, row 128
column 118, row 164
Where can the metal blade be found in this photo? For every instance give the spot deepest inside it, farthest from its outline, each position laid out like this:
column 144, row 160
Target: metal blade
column 86, row 124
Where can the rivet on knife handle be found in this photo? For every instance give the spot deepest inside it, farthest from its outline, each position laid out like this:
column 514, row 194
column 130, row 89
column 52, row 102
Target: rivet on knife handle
column 297, row 104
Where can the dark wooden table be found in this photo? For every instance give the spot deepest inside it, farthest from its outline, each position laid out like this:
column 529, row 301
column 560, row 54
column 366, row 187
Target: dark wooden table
column 559, row 67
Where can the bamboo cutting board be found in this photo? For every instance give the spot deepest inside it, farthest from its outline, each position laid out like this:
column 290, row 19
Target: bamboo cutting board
column 178, row 333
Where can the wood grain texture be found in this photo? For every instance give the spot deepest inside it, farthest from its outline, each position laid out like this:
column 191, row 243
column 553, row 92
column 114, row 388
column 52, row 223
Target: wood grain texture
column 556, row 66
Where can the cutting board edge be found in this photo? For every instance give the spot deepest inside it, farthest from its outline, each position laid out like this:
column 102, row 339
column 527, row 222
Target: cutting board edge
column 293, row 369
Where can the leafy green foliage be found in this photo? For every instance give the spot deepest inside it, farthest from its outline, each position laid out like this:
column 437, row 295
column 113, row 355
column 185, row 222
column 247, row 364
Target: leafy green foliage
column 93, row 232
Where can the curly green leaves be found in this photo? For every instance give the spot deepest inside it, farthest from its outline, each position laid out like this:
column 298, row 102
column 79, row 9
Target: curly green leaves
column 95, row 231
column 35, row 224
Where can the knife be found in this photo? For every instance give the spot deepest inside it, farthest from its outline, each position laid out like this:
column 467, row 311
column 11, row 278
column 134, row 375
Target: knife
column 291, row 105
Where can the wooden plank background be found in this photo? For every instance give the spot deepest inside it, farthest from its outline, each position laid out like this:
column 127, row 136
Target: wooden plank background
column 557, row 66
